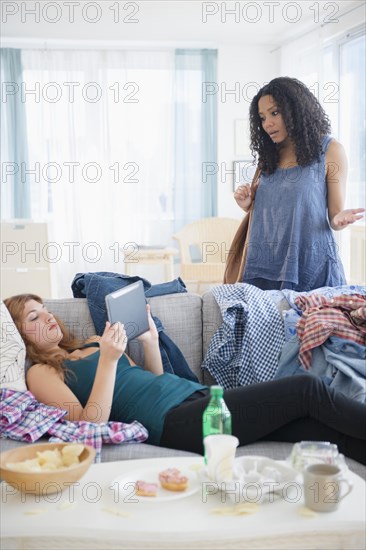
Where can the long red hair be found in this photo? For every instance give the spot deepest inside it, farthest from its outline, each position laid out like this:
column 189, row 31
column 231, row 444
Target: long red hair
column 15, row 306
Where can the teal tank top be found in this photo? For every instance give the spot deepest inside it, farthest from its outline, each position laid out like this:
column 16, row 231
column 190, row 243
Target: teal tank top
column 138, row 394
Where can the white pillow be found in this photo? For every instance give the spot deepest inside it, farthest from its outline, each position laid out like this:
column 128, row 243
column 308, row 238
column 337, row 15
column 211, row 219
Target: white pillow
column 12, row 353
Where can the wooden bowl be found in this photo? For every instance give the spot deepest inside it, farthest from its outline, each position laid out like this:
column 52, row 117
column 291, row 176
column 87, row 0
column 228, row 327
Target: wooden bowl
column 43, row 483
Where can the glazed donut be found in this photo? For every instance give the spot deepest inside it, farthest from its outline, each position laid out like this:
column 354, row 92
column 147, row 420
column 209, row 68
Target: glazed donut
column 146, row 489
column 172, row 480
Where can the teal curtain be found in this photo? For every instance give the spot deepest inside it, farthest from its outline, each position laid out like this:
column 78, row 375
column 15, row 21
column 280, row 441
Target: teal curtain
column 15, row 192
column 209, row 131
column 195, row 181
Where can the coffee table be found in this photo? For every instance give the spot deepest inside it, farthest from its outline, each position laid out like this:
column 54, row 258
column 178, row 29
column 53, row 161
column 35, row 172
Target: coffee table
column 92, row 515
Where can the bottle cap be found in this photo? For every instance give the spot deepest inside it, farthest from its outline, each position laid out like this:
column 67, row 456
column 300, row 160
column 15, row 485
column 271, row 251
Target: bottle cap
column 216, row 391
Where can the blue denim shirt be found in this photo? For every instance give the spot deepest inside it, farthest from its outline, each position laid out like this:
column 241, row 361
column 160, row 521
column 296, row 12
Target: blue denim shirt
column 95, row 286
column 339, row 363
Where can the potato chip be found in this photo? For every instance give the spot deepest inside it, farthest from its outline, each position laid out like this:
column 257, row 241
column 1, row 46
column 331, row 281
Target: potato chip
column 195, row 467
column 71, row 453
column 117, row 512
column 243, row 509
column 30, row 465
column 307, row 512
column 75, row 449
column 70, row 460
column 247, row 508
column 66, row 505
column 50, row 461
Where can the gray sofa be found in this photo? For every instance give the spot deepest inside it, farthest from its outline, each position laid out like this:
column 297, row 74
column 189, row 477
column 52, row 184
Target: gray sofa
column 190, row 320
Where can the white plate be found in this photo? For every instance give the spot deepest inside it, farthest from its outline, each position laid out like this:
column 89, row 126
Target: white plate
column 261, row 477
column 125, row 485
column 257, row 468
column 256, row 479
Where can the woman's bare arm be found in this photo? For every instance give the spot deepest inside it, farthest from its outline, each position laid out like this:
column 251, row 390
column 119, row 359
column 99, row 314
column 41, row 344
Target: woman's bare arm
column 48, row 387
column 150, row 343
column 336, row 176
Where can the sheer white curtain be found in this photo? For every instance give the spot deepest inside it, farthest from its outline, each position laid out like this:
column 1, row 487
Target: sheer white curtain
column 100, row 134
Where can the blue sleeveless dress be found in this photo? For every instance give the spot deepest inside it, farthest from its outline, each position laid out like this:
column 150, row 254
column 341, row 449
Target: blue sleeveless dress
column 291, row 243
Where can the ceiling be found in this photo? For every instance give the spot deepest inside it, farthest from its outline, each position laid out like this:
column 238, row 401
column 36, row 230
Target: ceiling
column 257, row 22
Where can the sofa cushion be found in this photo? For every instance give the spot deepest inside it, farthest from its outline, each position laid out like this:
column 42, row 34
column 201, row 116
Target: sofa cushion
column 181, row 315
column 12, row 356
column 74, row 312
column 212, row 320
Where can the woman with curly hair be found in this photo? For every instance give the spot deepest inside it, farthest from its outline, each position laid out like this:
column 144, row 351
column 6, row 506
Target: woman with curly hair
column 300, row 195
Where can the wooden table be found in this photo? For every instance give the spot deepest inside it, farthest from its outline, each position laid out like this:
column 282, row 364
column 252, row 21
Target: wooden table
column 135, row 255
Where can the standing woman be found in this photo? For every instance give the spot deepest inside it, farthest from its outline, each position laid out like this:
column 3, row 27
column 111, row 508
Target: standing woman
column 301, row 193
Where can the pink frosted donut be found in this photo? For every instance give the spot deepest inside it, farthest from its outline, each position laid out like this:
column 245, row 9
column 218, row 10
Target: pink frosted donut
column 146, row 489
column 172, row 480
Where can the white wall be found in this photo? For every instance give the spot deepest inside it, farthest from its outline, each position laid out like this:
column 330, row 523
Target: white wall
column 245, row 69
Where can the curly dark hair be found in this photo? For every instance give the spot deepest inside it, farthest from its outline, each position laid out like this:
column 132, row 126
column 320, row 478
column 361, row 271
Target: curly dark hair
column 305, row 120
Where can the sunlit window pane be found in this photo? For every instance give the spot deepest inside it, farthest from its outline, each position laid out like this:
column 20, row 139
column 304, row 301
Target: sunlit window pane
column 352, row 116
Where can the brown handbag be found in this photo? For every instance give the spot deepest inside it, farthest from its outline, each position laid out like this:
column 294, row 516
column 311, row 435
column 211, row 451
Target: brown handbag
column 237, row 255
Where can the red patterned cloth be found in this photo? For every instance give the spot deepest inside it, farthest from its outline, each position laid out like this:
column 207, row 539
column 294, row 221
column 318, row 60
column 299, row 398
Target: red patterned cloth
column 342, row 316
column 23, row 418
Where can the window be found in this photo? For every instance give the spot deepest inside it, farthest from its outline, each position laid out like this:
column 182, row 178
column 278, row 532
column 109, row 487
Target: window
column 334, row 70
column 352, row 115
column 344, row 101
column 109, row 137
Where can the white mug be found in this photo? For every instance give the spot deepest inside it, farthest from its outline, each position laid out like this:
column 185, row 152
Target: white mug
column 220, row 453
column 322, row 487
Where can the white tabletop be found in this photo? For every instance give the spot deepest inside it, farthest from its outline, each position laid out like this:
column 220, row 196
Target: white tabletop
column 94, row 515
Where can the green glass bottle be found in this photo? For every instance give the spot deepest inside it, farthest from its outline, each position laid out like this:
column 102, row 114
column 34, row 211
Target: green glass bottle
column 216, row 417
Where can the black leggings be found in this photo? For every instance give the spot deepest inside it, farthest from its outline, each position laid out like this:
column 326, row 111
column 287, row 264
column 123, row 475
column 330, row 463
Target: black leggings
column 290, row 409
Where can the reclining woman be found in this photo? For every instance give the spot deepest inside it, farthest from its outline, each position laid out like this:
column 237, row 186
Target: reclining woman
column 96, row 381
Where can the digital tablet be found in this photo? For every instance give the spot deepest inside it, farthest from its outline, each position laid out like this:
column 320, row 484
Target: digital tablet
column 128, row 306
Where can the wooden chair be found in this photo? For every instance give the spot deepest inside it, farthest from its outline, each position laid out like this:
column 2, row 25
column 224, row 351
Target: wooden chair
column 208, row 239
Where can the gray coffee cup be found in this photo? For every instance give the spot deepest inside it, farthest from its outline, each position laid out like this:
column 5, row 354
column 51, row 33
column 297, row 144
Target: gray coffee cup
column 322, row 487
